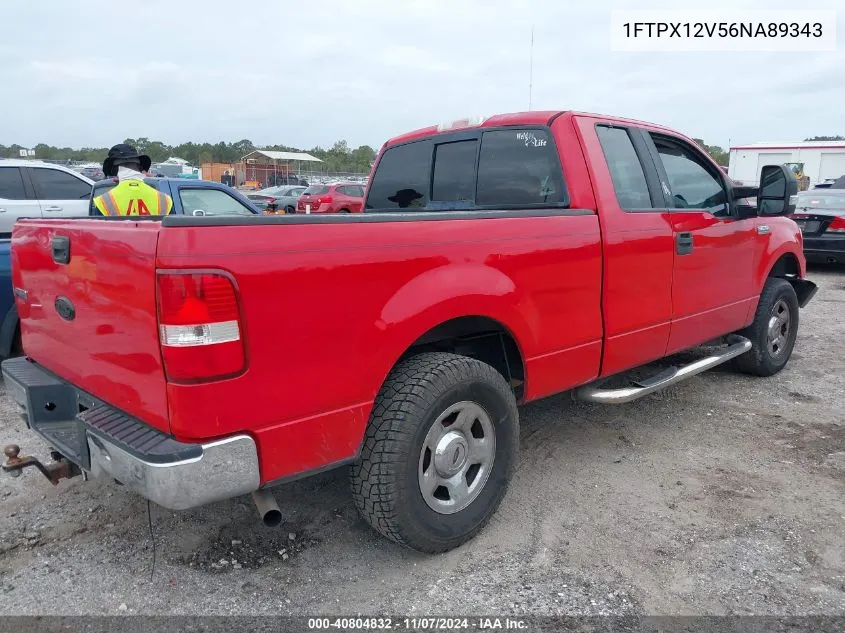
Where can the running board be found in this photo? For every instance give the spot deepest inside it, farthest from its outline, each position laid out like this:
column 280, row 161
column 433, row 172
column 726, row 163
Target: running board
column 737, row 345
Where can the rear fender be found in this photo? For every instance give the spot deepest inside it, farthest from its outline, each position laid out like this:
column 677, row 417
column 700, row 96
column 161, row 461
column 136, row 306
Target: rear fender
column 450, row 292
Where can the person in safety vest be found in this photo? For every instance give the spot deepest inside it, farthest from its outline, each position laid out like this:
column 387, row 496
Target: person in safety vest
column 131, row 196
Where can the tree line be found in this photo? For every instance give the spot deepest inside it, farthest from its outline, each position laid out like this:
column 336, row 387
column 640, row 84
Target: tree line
column 338, row 158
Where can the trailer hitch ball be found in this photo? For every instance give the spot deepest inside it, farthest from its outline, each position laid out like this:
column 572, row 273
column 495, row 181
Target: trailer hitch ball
column 11, row 452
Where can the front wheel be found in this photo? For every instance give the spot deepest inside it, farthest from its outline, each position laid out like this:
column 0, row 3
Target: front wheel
column 439, row 451
column 773, row 331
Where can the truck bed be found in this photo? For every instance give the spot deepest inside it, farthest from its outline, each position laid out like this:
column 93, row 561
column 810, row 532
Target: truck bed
column 317, row 297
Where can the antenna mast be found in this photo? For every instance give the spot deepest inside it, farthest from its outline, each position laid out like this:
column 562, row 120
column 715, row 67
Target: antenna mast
column 531, row 70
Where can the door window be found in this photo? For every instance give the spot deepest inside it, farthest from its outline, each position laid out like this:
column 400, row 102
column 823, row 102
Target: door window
column 626, row 170
column 212, row 202
column 693, row 183
column 11, row 184
column 52, row 184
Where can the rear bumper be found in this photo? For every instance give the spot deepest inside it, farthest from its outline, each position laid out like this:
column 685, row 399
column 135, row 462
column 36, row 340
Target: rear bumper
column 828, row 248
column 107, row 443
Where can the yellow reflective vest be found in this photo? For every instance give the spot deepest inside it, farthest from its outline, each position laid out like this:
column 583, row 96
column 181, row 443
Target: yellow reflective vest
column 133, row 197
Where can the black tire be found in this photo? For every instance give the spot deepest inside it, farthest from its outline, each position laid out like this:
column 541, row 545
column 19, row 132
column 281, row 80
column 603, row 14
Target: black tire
column 385, row 482
column 762, row 359
column 290, row 209
column 344, row 211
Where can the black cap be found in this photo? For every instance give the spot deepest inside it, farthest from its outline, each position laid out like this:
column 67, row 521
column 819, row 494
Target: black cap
column 121, row 154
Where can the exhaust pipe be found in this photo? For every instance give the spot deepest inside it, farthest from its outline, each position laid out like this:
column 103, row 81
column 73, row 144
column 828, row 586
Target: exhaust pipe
column 267, row 507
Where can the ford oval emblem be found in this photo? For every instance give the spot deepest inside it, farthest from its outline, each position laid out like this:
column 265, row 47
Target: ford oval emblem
column 65, row 308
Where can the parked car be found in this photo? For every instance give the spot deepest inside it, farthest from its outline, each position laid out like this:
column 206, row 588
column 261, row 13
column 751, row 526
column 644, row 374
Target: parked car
column 92, row 173
column 832, row 183
column 191, row 197
column 277, row 198
column 332, row 198
column 31, row 188
column 9, row 330
column 494, row 264
column 821, row 218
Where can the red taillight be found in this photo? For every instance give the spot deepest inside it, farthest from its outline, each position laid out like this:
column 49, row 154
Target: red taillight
column 199, row 326
column 324, row 200
column 837, row 225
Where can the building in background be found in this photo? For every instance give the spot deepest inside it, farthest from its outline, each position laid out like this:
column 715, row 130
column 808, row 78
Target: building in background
column 821, row 159
column 269, row 167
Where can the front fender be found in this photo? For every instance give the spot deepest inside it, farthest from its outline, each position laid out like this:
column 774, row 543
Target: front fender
column 784, row 241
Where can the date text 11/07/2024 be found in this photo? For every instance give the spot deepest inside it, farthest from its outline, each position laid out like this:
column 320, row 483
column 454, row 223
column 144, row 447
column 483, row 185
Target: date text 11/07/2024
column 417, row 624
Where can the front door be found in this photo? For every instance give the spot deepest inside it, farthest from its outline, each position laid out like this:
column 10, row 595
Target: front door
column 712, row 282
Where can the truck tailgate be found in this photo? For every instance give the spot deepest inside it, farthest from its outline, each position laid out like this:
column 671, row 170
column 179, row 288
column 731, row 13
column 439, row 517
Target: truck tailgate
column 92, row 320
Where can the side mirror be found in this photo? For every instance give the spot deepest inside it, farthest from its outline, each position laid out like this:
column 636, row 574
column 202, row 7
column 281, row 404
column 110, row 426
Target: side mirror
column 778, row 191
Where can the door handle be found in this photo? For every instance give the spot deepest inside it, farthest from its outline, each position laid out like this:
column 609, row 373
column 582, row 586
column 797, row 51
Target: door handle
column 683, row 243
column 53, row 209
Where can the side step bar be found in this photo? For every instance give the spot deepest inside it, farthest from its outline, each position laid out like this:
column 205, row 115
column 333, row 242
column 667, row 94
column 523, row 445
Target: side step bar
column 737, row 345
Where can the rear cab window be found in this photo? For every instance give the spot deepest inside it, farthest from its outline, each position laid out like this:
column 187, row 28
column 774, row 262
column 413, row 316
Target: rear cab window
column 485, row 169
column 316, row 190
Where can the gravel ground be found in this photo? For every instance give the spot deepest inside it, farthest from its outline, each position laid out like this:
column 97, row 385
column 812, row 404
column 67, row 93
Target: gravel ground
column 722, row 495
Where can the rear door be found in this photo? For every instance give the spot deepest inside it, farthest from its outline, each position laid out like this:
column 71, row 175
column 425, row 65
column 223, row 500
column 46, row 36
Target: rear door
column 17, row 199
column 108, row 345
column 713, row 281
column 60, row 193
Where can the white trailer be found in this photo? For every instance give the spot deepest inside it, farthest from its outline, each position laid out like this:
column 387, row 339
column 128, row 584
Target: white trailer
column 822, row 159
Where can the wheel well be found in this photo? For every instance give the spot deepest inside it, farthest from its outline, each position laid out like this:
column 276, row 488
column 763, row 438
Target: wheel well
column 477, row 337
column 787, row 264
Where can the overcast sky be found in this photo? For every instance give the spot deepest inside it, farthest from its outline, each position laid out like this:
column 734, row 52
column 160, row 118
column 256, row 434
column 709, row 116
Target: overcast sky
column 87, row 73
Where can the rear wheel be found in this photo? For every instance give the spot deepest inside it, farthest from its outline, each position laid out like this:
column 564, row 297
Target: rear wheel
column 773, row 331
column 290, row 209
column 344, row 211
column 439, row 451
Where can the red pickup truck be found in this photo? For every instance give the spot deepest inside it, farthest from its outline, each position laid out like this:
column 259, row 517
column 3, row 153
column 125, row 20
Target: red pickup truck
column 194, row 359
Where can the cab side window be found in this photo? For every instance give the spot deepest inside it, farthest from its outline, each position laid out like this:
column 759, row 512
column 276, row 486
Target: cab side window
column 693, row 181
column 518, row 168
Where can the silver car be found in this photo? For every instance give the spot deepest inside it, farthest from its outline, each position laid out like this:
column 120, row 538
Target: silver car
column 281, row 198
